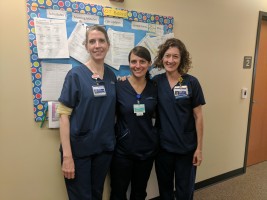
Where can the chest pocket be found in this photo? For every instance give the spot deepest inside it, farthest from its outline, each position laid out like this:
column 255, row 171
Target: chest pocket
column 184, row 101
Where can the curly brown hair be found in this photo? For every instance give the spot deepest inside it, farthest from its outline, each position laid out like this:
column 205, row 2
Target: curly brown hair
column 185, row 63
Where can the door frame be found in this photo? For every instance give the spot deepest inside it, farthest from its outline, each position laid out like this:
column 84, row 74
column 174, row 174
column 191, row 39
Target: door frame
column 262, row 16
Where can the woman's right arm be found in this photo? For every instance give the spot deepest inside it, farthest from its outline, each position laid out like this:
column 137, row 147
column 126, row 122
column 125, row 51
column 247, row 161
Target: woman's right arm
column 68, row 167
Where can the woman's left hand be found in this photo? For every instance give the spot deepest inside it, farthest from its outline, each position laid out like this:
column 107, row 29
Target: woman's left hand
column 197, row 159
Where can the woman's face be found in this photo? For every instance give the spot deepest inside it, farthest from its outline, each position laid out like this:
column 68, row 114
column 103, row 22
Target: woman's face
column 138, row 66
column 97, row 45
column 171, row 59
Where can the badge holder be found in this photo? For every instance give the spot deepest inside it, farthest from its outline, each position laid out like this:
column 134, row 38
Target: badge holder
column 98, row 90
column 139, row 109
column 181, row 90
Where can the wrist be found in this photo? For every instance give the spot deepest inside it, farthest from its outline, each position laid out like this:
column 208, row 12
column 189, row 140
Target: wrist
column 67, row 157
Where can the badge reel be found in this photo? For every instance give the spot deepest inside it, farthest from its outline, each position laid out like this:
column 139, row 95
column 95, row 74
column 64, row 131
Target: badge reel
column 139, row 109
column 98, row 90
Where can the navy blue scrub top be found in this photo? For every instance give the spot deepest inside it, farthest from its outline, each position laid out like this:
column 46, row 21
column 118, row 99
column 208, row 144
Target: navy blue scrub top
column 136, row 135
column 93, row 118
column 177, row 123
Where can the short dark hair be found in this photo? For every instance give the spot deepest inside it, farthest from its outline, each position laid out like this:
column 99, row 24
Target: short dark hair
column 141, row 52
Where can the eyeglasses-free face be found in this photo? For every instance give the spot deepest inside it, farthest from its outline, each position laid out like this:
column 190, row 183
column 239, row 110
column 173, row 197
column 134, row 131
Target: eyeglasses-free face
column 138, row 66
column 97, row 45
column 171, row 59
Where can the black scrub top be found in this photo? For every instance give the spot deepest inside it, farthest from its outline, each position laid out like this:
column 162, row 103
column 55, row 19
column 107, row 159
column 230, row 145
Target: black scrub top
column 137, row 137
column 93, row 118
column 175, row 115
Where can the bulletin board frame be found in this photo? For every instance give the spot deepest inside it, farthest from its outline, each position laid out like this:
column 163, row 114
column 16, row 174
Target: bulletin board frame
column 33, row 6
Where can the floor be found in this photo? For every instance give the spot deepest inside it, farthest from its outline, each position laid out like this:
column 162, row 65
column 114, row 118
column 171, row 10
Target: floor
column 250, row 186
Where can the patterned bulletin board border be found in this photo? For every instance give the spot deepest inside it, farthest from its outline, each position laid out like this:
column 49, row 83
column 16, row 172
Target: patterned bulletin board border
column 76, row 7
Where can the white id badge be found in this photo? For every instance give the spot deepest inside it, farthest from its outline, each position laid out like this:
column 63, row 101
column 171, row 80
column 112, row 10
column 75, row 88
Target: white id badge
column 180, row 91
column 99, row 90
column 139, row 109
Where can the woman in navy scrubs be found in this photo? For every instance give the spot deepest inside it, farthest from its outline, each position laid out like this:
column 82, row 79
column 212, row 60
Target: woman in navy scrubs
column 87, row 117
column 137, row 138
column 180, row 100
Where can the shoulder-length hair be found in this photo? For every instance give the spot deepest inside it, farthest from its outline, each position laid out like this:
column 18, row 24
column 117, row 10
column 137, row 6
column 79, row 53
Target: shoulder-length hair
column 185, row 63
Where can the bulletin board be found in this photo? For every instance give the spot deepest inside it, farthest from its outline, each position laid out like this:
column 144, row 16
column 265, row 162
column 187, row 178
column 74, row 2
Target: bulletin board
column 36, row 8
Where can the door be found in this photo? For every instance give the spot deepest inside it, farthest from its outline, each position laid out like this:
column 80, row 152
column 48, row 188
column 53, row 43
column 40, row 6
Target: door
column 257, row 148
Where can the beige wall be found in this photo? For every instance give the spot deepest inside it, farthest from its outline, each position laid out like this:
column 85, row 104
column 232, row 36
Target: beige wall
column 217, row 33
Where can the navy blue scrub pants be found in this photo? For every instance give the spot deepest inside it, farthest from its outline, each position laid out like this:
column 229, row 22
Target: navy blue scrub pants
column 170, row 166
column 124, row 170
column 90, row 174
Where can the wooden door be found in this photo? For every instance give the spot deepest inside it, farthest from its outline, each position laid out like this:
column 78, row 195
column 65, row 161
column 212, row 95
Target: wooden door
column 257, row 148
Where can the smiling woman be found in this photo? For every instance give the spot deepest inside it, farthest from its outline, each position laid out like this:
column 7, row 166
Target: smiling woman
column 87, row 116
column 137, row 138
column 181, row 122
column 97, row 45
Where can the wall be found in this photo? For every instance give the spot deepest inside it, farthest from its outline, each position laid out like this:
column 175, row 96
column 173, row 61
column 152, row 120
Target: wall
column 218, row 35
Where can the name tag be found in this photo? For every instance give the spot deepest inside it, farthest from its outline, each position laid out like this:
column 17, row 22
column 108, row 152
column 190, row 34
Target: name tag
column 139, row 109
column 99, row 90
column 180, row 91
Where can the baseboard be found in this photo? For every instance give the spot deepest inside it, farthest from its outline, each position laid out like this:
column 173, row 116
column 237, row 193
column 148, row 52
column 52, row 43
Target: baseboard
column 219, row 178
column 216, row 179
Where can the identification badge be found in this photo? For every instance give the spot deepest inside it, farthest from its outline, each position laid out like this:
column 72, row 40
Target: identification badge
column 99, row 90
column 180, row 91
column 139, row 109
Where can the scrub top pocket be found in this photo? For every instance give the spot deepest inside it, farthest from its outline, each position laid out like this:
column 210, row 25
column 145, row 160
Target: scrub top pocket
column 183, row 101
column 124, row 141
